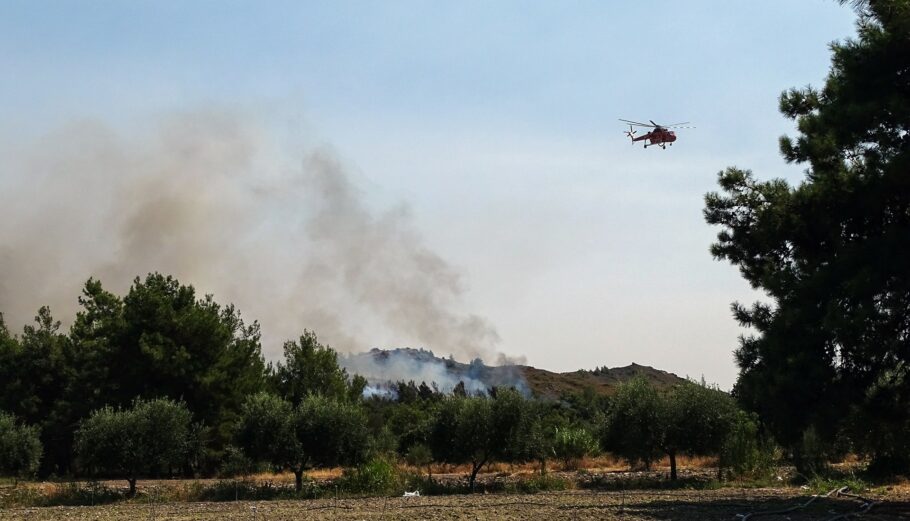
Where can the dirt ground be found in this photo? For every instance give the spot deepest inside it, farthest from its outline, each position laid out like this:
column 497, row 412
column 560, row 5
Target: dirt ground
column 682, row 505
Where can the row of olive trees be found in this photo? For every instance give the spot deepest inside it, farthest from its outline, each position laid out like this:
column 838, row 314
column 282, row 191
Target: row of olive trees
column 153, row 437
column 692, row 419
column 320, row 431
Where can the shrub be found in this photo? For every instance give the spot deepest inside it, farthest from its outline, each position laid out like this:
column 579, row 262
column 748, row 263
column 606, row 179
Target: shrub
column 20, row 447
column 744, row 452
column 812, row 455
column 538, row 483
column 243, row 490
column 235, row 463
column 573, row 444
column 376, row 476
column 420, row 456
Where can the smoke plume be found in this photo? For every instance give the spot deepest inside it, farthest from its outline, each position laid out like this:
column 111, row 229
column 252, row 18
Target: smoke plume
column 383, row 369
column 216, row 201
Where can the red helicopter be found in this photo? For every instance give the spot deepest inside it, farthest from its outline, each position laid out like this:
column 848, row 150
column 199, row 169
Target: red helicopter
column 660, row 136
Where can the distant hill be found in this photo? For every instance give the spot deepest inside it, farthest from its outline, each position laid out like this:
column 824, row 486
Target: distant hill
column 382, row 367
column 603, row 381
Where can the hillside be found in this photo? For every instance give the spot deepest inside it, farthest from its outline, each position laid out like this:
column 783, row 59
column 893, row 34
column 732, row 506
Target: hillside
column 381, row 367
column 547, row 383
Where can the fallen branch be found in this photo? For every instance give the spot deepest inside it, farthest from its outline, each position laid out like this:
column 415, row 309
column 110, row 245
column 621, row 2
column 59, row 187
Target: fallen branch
column 750, row 515
column 864, row 507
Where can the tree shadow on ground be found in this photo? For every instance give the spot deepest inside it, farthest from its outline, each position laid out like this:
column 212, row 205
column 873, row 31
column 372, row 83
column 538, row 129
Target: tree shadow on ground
column 731, row 508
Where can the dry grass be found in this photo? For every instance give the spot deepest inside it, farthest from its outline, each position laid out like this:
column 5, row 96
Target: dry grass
column 602, row 463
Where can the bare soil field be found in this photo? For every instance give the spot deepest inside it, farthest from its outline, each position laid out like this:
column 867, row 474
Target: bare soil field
column 639, row 505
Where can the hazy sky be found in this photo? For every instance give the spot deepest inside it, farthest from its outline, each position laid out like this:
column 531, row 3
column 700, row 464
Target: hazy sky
column 491, row 127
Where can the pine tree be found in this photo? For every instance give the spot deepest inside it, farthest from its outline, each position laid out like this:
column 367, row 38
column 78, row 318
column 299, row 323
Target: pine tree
column 831, row 349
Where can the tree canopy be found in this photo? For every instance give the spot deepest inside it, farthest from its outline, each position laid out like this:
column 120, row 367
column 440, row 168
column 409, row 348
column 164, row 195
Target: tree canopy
column 310, row 368
column 831, row 344
column 148, row 438
column 319, row 432
column 479, row 429
column 20, row 447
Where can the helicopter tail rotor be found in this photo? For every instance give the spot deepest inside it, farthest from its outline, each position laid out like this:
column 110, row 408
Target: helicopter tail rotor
column 630, row 133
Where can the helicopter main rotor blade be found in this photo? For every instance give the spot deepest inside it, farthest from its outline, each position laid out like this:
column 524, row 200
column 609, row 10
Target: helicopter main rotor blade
column 677, row 124
column 636, row 123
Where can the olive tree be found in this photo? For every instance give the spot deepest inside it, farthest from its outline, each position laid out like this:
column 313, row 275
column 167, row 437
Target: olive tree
column 633, row 426
column 480, row 429
column 150, row 436
column 320, row 432
column 265, row 431
column 20, row 447
column 696, row 421
column 689, row 418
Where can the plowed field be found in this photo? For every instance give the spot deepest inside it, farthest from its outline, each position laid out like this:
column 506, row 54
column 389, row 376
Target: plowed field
column 681, row 505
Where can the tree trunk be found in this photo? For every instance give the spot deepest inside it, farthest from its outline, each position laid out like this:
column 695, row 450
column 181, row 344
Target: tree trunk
column 475, row 468
column 132, row 482
column 298, row 479
column 672, row 466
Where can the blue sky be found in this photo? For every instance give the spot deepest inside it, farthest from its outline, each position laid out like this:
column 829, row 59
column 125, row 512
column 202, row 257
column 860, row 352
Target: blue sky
column 495, row 123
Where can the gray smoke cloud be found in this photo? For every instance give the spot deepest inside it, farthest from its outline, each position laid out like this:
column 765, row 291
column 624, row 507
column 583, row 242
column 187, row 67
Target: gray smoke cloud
column 217, row 201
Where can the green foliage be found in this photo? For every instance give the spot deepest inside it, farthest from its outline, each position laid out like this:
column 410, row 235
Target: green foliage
column 812, row 454
column 35, row 374
column 884, row 405
column 266, row 432
column 826, row 482
column 383, row 443
column 689, row 418
column 832, row 253
column 376, row 476
column 697, row 420
column 477, row 430
column 409, row 423
column 538, row 483
column 744, row 452
column 332, row 432
column 320, row 432
column 311, row 368
column 235, row 463
column 20, row 447
column 587, row 405
column 160, row 340
column 633, row 428
column 419, row 455
column 246, row 490
column 145, row 439
column 573, row 444
column 545, row 420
